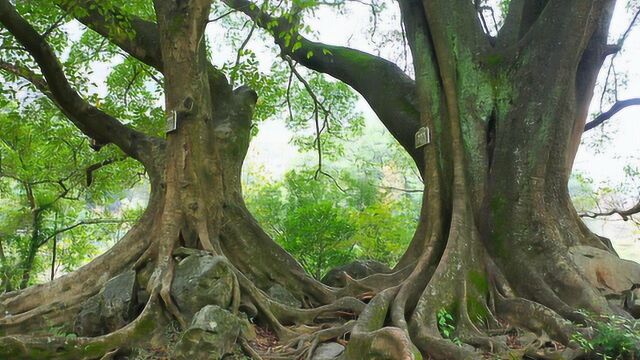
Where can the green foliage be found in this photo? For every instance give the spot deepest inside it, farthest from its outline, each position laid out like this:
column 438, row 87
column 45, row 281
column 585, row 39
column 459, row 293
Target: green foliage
column 323, row 226
column 45, row 198
column 446, row 326
column 304, row 217
column 358, row 213
column 582, row 192
column 612, row 337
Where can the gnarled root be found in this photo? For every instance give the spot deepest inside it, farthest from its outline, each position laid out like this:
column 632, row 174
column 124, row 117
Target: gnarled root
column 449, row 303
column 48, row 347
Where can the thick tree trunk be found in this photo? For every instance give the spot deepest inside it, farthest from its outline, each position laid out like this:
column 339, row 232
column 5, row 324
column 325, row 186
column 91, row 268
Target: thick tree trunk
column 196, row 202
column 497, row 221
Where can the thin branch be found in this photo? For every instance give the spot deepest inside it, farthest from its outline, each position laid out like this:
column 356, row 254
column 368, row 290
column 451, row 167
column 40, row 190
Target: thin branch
column 221, row 16
column 342, row 2
column 241, row 50
column 54, row 26
column 133, row 79
column 400, row 189
column 36, row 80
column 365, row 72
column 83, row 223
column 614, row 50
column 628, row 30
column 288, row 97
column 625, row 214
column 619, row 105
column 95, row 167
column 317, row 106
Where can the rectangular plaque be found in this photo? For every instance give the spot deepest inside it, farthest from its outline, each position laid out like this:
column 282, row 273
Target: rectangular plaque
column 423, row 137
column 172, row 122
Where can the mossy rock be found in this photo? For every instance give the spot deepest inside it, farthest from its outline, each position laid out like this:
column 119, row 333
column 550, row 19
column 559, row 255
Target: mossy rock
column 109, row 310
column 212, row 335
column 200, row 281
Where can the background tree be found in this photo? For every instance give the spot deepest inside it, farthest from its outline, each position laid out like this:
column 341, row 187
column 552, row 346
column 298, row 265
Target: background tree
column 49, row 204
column 324, row 226
column 497, row 225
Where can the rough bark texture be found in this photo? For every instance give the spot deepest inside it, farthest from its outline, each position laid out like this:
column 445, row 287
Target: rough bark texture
column 493, row 245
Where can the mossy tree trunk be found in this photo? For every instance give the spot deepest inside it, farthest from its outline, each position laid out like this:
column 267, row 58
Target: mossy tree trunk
column 492, row 245
column 506, row 114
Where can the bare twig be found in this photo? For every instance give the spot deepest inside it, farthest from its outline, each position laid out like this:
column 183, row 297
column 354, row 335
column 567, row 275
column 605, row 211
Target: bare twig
column 317, row 107
column 82, row 223
column 403, row 190
column 614, row 50
column 133, row 79
column 54, row 26
column 625, row 214
column 94, row 167
column 615, row 108
column 241, row 50
column 222, row 16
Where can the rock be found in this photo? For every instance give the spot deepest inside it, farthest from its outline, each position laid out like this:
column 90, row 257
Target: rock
column 109, row 310
column 328, row 351
column 632, row 301
column 88, row 322
column 357, row 270
column 607, row 242
column 212, row 334
column 527, row 338
column 202, row 280
column 610, row 274
column 280, row 294
column 118, row 300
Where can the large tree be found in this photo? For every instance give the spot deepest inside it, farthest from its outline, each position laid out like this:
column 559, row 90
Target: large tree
column 505, row 113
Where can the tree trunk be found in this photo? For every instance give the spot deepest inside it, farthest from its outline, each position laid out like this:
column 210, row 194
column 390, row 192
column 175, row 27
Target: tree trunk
column 34, row 242
column 5, row 283
column 196, row 202
column 497, row 221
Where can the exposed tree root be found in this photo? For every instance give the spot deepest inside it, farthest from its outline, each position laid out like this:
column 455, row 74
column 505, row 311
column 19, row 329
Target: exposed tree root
column 536, row 318
column 48, row 347
column 395, row 316
column 26, row 310
column 400, row 322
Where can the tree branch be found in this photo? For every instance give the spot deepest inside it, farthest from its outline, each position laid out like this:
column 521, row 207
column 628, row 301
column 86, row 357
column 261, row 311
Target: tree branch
column 619, row 105
column 387, row 89
column 624, row 214
column 574, row 21
column 89, row 119
column 136, row 36
column 97, row 166
column 81, row 223
column 522, row 14
column 35, row 79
